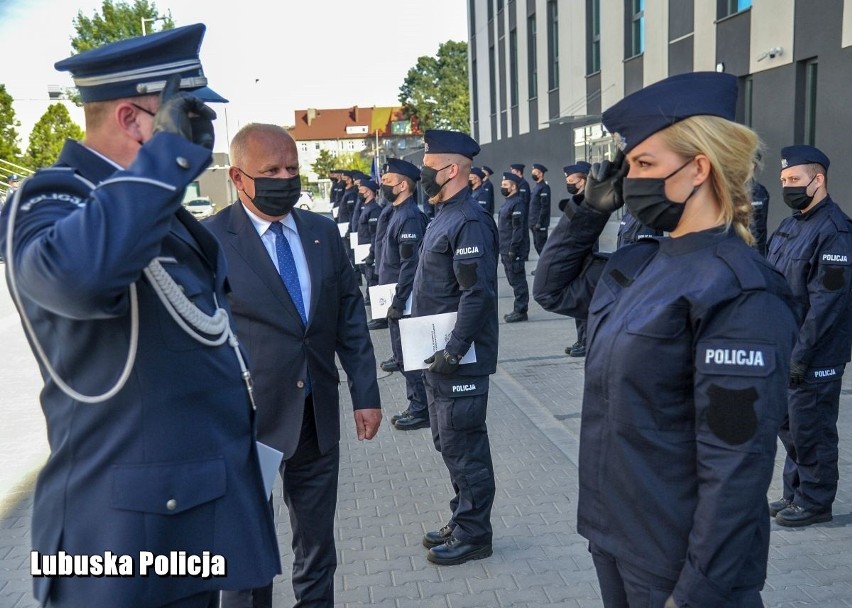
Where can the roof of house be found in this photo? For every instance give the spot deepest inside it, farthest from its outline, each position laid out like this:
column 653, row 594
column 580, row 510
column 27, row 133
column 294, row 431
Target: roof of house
column 344, row 123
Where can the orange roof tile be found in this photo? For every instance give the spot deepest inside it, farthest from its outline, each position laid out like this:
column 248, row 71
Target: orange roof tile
column 343, row 123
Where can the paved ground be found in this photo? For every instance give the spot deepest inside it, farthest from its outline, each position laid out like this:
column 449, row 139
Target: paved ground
column 396, row 487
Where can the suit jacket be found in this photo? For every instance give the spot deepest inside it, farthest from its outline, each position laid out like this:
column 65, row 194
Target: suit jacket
column 281, row 349
column 169, row 462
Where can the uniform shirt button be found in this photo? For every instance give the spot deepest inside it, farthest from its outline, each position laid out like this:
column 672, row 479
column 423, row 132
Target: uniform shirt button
column 182, row 162
column 171, row 505
column 300, row 384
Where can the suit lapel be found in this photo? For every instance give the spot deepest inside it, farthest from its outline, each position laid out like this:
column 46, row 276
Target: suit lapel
column 246, row 241
column 312, row 246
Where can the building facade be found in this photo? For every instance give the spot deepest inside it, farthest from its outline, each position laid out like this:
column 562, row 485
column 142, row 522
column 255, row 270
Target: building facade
column 542, row 71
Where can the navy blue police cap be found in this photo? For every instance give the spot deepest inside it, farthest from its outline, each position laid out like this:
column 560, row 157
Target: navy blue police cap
column 517, row 166
column 141, row 66
column 360, row 175
column 489, row 169
column 512, row 177
column 540, row 167
column 347, row 173
column 477, row 172
column 439, row 141
column 580, row 167
column 14, row 177
column 662, row 104
column 404, row 168
column 368, row 183
column 802, row 154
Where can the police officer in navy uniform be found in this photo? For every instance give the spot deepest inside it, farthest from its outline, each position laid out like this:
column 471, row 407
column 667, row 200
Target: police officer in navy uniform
column 760, row 213
column 524, row 190
column 336, row 191
column 398, row 264
column 368, row 220
column 688, row 354
column 123, row 296
column 510, row 227
column 348, row 197
column 457, row 273
column 484, row 196
column 539, row 214
column 487, row 186
column 813, row 249
column 389, row 364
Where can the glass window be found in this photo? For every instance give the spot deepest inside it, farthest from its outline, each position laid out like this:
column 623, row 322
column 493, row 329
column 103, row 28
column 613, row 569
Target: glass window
column 748, row 97
column 552, row 45
column 492, row 80
column 594, row 39
column 513, row 67
column 731, row 7
column 532, row 58
column 637, row 28
column 810, row 102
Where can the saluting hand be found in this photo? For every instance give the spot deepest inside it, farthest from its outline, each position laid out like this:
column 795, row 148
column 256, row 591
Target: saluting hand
column 603, row 187
column 367, row 422
column 184, row 114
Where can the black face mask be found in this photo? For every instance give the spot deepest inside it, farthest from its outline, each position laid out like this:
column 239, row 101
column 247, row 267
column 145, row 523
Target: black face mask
column 646, row 199
column 431, row 188
column 387, row 192
column 796, row 197
column 504, row 191
column 572, row 189
column 275, row 196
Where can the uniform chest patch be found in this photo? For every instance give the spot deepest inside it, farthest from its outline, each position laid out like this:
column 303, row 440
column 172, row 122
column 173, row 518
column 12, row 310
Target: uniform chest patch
column 835, row 258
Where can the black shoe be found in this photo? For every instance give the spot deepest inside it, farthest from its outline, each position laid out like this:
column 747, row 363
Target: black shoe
column 437, row 537
column 390, row 365
column 378, row 324
column 568, row 349
column 403, row 414
column 515, row 316
column 454, row 551
column 578, row 350
column 795, row 516
column 410, row 423
column 776, row 506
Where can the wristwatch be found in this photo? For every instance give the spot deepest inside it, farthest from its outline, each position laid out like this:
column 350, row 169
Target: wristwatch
column 451, row 359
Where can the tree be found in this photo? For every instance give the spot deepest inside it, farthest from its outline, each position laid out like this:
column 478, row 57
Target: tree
column 354, row 161
column 49, row 134
column 434, row 94
column 325, row 163
column 116, row 21
column 9, row 148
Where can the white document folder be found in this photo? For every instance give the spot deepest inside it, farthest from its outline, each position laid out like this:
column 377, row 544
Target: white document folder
column 421, row 337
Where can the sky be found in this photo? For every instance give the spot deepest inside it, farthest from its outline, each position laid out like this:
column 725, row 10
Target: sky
column 268, row 57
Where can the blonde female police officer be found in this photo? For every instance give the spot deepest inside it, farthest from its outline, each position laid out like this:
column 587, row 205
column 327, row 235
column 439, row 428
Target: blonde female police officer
column 689, row 350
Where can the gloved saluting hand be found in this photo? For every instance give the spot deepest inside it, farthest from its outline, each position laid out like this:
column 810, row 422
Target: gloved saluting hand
column 184, row 114
column 603, row 186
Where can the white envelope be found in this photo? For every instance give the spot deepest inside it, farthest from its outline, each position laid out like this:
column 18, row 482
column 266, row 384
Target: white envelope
column 361, row 252
column 343, row 228
column 353, row 240
column 421, row 337
column 270, row 460
column 381, row 297
column 334, row 212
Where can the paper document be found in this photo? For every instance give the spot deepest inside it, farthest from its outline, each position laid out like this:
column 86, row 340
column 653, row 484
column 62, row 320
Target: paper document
column 270, row 460
column 381, row 297
column 353, row 240
column 361, row 252
column 421, row 337
column 334, row 212
column 343, row 228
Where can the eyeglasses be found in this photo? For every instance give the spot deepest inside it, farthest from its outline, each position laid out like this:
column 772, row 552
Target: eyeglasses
column 146, row 110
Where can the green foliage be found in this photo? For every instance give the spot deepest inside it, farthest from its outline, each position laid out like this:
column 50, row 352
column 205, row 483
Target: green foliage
column 354, row 161
column 9, row 148
column 325, row 163
column 49, row 134
column 116, row 21
column 434, row 94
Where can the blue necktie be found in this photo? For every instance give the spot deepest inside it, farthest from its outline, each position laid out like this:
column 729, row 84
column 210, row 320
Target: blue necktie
column 290, row 277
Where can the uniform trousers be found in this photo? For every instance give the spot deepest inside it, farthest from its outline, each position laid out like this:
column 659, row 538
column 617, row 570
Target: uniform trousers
column 414, row 388
column 581, row 330
column 809, row 434
column 626, row 586
column 539, row 238
column 517, row 276
column 461, row 436
column 310, row 493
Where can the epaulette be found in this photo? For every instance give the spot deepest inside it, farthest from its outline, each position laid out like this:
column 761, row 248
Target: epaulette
column 744, row 263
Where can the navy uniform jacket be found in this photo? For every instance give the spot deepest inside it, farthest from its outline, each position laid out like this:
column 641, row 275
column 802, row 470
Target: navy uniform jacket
column 540, row 205
column 381, row 231
column 689, row 344
column 169, row 463
column 485, row 198
column 348, row 200
column 524, row 192
column 457, row 272
column 280, row 346
column 356, row 214
column 488, row 191
column 813, row 251
column 367, row 220
column 631, row 230
column 759, row 214
column 401, row 249
column 336, row 194
column 510, row 226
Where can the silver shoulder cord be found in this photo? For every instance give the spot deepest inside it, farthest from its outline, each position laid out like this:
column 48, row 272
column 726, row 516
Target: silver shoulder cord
column 187, row 315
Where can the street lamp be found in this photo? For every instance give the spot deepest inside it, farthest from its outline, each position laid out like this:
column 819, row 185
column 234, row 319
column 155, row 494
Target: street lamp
column 149, row 20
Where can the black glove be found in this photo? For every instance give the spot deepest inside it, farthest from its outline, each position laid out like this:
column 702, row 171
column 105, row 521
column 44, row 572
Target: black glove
column 394, row 314
column 370, row 260
column 443, row 362
column 173, row 116
column 536, row 227
column 797, row 373
column 512, row 255
column 603, row 187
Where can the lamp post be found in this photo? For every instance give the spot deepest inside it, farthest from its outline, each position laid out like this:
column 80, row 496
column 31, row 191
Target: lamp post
column 149, row 20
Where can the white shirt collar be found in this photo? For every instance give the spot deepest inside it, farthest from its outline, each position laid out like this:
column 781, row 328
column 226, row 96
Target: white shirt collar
column 262, row 225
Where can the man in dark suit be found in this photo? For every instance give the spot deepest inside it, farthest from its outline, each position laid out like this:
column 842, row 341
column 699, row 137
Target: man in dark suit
column 122, row 294
column 296, row 304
